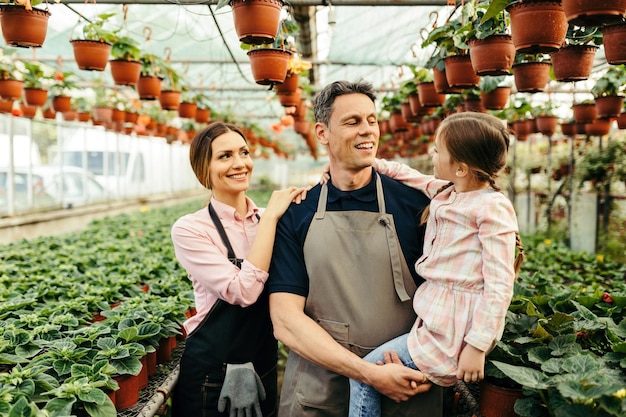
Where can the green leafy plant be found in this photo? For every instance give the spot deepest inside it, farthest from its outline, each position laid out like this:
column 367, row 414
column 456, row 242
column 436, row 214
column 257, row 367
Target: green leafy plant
column 35, row 74
column 96, row 31
column 484, row 24
column 611, row 83
column 449, row 38
column 63, row 83
column 124, row 47
column 583, row 35
column 488, row 83
column 601, row 166
column 152, row 65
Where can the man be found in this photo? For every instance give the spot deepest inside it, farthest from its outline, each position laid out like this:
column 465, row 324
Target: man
column 340, row 282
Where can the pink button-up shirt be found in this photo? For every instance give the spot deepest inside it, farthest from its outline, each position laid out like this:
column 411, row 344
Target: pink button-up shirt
column 200, row 250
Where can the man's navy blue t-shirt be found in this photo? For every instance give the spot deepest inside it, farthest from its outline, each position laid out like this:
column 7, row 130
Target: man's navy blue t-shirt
column 288, row 270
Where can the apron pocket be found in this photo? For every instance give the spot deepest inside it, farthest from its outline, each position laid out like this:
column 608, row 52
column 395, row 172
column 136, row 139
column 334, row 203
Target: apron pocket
column 340, row 331
column 320, row 389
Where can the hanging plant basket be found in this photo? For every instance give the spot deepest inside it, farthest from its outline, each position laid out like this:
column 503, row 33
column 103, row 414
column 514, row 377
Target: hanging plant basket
column 428, row 95
column 187, row 110
column 496, row 99
column 148, row 87
column 459, row 72
column 614, row 41
column 289, row 86
column 62, row 104
column 531, row 77
column 256, row 21
column 170, row 99
column 91, row 55
column 441, row 83
column 573, row 62
column 537, row 27
column 202, row 115
column 102, row 114
column 609, row 106
column 547, row 124
column 568, row 129
column 474, row 104
column 621, row 120
column 6, row 106
column 584, row 112
column 269, row 65
column 594, row 12
column 125, row 72
column 598, row 127
column 11, row 89
column 290, row 99
column 397, row 122
column 493, row 55
column 23, row 28
column 35, row 96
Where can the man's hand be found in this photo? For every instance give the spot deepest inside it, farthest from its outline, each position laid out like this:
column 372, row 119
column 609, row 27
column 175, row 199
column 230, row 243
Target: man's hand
column 471, row 364
column 397, row 381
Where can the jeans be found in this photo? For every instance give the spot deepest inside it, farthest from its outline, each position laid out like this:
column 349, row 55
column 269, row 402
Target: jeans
column 364, row 399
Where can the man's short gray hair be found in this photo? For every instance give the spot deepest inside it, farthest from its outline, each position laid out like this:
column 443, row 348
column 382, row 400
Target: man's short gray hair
column 323, row 102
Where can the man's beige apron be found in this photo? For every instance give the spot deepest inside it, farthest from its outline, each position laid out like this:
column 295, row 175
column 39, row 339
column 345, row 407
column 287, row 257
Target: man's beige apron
column 359, row 292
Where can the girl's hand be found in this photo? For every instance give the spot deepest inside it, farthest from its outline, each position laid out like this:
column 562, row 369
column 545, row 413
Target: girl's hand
column 325, row 175
column 471, row 364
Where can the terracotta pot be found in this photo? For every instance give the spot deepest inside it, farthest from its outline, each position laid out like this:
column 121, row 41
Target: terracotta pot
column 520, row 128
column 621, row 120
column 493, row 55
column 11, row 89
column 84, row 116
column 151, row 363
column 301, row 126
column 397, row 122
column 568, row 129
column 428, row 95
column 70, row 116
column 187, row 110
column 269, row 65
column 142, row 380
column 91, row 55
column 128, row 393
column 459, row 72
column 118, row 116
column 531, row 77
column 383, row 126
column 23, row 28
column 289, row 86
column 614, row 41
column 546, row 124
column 609, row 106
column 584, row 112
column 49, row 113
column 202, row 115
column 441, row 83
column 290, row 99
column 414, row 103
column 256, row 21
column 149, row 87
column 598, row 127
column 131, row 117
column 164, row 351
column 35, row 96
column 405, row 110
column 6, row 106
column 169, row 99
column 594, row 12
column 496, row 99
column 573, row 62
column 531, row 37
column 28, row 111
column 62, row 103
column 102, row 114
column 125, row 72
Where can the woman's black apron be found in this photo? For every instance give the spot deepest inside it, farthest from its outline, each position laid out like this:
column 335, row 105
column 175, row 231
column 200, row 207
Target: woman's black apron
column 228, row 334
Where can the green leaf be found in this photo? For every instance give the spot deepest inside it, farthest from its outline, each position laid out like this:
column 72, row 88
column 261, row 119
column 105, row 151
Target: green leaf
column 60, row 407
column 580, row 364
column 573, row 410
column 527, row 377
column 101, row 409
column 21, row 408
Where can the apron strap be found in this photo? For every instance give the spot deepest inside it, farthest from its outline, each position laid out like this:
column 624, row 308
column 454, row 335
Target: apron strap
column 321, row 203
column 396, row 258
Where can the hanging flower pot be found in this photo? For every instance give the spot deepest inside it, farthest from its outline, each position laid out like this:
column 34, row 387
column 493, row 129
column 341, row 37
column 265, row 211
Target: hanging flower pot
column 28, row 111
column 23, row 28
column 531, row 77
column 148, row 87
column 35, row 96
column 520, row 128
column 609, row 106
column 290, row 99
column 70, row 116
column 289, row 86
column 170, row 99
column 6, row 106
column 383, row 126
column 428, row 95
column 84, row 116
column 474, row 104
column 614, row 41
column 11, row 89
column 459, row 72
column 496, row 99
column 125, row 72
column 117, row 116
column 256, row 21
column 202, row 115
column 493, row 55
column 598, row 127
column 397, row 122
column 584, row 112
column 102, row 114
column 546, row 124
column 537, row 26
column 49, row 113
column 187, row 110
column 91, row 55
column 621, row 120
column 62, row 103
column 594, row 12
column 269, row 65
column 441, row 83
column 573, row 62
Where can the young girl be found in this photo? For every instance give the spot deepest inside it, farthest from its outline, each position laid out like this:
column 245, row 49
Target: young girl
column 228, row 366
column 469, row 259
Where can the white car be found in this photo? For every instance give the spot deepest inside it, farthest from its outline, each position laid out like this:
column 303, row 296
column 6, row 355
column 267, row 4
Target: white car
column 52, row 186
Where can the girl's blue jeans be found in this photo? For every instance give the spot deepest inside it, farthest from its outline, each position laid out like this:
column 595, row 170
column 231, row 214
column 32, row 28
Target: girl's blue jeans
column 365, row 400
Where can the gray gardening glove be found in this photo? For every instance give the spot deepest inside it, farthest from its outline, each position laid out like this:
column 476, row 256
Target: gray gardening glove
column 241, row 391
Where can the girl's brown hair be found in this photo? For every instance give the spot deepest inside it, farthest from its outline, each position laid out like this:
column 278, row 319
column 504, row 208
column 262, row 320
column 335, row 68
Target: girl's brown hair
column 481, row 141
column 201, row 152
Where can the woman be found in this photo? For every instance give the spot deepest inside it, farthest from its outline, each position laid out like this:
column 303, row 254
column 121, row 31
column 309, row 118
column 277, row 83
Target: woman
column 229, row 362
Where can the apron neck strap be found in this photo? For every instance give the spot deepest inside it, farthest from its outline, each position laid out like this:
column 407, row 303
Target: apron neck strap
column 321, row 203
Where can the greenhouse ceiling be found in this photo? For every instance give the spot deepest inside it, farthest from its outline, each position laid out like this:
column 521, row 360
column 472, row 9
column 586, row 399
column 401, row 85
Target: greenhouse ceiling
column 344, row 39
